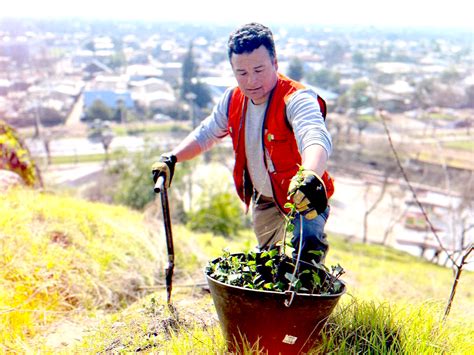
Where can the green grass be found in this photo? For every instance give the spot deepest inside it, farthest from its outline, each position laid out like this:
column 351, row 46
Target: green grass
column 394, row 304
column 149, row 128
column 368, row 118
column 87, row 158
column 63, row 259
column 439, row 116
column 366, row 327
column 456, row 161
column 462, row 145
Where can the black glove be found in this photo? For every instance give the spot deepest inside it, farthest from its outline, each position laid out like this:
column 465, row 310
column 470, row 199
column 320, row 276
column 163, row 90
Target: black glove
column 164, row 167
column 309, row 193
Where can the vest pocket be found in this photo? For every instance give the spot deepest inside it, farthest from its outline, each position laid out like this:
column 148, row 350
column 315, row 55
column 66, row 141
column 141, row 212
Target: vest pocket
column 281, row 152
column 275, row 138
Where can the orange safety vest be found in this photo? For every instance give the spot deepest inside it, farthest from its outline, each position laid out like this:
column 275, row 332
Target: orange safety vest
column 278, row 140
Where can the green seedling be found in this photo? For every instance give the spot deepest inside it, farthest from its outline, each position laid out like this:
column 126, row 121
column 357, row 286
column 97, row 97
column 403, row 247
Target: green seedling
column 272, row 271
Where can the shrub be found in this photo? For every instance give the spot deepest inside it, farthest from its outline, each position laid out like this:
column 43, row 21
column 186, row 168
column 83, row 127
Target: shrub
column 132, row 181
column 14, row 156
column 134, row 186
column 219, row 213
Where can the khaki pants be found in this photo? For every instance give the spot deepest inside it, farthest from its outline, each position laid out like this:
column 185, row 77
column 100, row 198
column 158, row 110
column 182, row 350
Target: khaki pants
column 269, row 225
column 268, row 222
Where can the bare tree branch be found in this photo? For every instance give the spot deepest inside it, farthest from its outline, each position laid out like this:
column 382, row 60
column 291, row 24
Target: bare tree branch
column 467, row 252
column 393, row 223
column 415, row 197
column 374, row 205
column 456, row 279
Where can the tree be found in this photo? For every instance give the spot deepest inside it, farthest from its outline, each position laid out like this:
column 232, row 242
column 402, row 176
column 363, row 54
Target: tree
column 431, row 92
column 118, row 60
column 191, row 83
column 358, row 59
column 90, row 46
column 295, row 69
column 457, row 265
column 189, row 72
column 47, row 146
column 324, row 78
column 106, row 138
column 120, row 114
column 357, row 99
column 358, row 95
column 49, row 116
column 373, row 205
column 424, row 93
column 99, row 110
column 334, row 53
column 102, row 132
column 450, row 76
column 385, row 53
column 362, row 122
column 203, row 95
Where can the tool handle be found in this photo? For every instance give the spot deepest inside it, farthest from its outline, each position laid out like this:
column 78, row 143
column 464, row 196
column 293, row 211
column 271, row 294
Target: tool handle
column 160, row 184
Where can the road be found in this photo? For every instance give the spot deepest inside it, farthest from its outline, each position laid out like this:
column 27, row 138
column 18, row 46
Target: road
column 85, row 146
column 75, row 115
column 71, row 175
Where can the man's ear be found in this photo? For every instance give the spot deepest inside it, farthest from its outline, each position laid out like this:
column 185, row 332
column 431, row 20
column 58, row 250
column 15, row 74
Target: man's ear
column 275, row 63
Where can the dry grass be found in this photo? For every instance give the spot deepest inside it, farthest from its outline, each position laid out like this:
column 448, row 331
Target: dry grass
column 63, row 259
column 60, row 257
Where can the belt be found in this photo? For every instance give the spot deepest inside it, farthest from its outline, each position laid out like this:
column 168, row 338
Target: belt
column 259, row 199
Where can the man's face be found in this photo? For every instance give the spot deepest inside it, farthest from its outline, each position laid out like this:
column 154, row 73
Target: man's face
column 256, row 74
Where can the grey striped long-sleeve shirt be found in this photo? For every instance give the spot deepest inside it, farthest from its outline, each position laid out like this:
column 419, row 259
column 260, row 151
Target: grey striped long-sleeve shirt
column 303, row 113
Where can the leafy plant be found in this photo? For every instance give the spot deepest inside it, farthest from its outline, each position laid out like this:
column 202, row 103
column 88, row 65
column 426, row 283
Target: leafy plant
column 290, row 216
column 14, row 156
column 219, row 213
column 129, row 180
column 133, row 180
column 272, row 271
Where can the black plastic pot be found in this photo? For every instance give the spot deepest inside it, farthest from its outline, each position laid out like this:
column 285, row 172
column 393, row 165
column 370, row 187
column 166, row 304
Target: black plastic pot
column 261, row 319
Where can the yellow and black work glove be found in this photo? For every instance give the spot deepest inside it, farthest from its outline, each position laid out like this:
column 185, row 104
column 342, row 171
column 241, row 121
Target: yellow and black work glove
column 309, row 193
column 164, row 167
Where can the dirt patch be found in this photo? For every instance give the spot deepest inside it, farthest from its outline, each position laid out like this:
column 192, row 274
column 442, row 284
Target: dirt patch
column 60, row 238
column 156, row 323
column 66, row 333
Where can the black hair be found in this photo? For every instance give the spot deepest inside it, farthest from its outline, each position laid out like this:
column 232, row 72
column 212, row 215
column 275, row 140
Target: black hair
column 249, row 37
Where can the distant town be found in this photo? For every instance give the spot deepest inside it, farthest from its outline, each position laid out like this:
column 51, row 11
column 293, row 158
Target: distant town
column 46, row 67
column 57, row 74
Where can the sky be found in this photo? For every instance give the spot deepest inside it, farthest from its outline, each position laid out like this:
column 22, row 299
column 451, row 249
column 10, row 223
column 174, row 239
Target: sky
column 399, row 13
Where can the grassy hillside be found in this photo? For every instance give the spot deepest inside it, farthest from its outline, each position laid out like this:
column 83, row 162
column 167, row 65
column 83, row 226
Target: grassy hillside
column 61, row 258
column 73, row 270
column 395, row 303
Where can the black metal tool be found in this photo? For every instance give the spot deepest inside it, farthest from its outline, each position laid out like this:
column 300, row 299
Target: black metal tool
column 161, row 189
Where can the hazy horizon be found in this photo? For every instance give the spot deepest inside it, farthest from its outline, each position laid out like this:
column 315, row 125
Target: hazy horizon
column 397, row 14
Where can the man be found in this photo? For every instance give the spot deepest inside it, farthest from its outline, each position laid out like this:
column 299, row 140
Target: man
column 276, row 125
